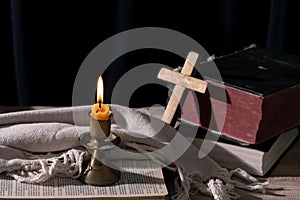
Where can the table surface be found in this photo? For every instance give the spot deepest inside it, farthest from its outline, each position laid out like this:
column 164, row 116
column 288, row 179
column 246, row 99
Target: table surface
column 284, row 177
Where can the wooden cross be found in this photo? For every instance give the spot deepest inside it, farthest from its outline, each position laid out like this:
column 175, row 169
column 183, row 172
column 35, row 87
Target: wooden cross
column 181, row 80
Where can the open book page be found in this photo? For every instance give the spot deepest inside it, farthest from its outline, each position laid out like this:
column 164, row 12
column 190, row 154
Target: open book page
column 141, row 178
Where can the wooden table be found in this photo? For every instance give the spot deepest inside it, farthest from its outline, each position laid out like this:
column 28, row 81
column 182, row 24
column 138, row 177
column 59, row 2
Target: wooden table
column 284, row 177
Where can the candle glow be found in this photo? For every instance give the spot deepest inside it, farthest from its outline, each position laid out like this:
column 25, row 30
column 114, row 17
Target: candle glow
column 100, row 90
column 100, row 111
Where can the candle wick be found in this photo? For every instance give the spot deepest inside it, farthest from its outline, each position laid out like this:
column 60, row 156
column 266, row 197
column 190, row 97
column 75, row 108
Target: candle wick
column 99, row 104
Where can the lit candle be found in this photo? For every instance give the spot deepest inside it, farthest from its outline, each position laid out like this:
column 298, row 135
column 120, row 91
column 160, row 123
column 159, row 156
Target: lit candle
column 100, row 111
column 96, row 172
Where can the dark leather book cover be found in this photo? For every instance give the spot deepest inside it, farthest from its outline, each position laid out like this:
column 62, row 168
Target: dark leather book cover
column 262, row 95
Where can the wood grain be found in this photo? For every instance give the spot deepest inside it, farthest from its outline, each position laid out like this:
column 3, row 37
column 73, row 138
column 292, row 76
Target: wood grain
column 178, row 90
column 182, row 80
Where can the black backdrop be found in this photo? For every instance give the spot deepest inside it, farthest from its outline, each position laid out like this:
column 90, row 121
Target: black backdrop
column 43, row 43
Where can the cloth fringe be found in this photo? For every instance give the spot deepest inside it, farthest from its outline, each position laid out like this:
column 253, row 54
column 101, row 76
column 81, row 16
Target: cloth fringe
column 40, row 168
column 191, row 184
column 220, row 188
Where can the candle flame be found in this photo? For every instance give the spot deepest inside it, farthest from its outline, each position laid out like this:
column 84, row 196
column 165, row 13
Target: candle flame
column 100, row 90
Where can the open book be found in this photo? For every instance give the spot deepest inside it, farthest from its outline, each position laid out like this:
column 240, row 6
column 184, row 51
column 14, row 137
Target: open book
column 256, row 159
column 143, row 179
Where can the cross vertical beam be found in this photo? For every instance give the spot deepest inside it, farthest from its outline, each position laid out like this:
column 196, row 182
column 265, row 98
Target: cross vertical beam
column 184, row 81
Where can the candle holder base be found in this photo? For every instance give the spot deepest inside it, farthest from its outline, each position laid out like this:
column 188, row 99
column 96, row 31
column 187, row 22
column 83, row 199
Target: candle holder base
column 98, row 174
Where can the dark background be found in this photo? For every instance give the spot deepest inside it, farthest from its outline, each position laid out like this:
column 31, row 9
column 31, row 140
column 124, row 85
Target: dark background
column 44, row 42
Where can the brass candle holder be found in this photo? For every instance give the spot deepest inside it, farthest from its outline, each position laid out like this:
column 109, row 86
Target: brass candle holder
column 96, row 172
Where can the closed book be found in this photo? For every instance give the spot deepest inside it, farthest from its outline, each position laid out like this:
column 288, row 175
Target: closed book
column 262, row 90
column 257, row 159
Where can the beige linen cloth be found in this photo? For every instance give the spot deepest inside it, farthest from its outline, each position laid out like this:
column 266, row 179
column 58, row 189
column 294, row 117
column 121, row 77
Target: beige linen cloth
column 37, row 145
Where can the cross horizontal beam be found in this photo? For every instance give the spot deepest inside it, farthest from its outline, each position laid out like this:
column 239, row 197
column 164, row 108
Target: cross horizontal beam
column 182, row 80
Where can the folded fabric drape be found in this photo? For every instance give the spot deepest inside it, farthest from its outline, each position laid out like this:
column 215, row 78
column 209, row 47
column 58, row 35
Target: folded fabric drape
column 40, row 144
